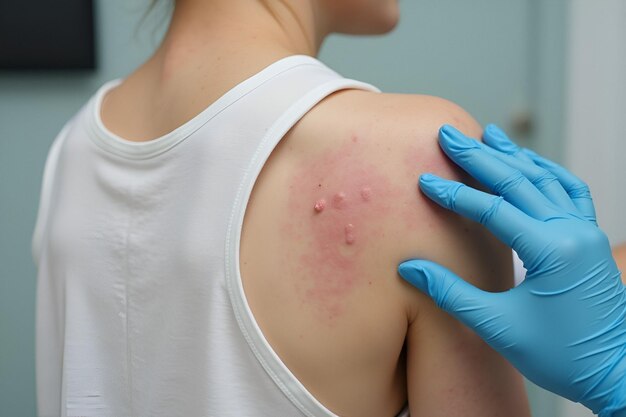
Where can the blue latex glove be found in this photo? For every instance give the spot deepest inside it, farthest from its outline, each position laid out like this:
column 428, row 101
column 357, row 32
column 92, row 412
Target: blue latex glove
column 564, row 326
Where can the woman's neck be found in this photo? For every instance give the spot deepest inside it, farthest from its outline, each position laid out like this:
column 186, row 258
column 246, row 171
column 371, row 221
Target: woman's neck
column 246, row 26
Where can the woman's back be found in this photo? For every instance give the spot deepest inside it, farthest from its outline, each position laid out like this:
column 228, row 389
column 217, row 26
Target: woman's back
column 333, row 211
column 334, row 309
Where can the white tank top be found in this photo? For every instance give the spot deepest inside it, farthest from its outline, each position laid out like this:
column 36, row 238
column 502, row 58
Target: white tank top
column 140, row 305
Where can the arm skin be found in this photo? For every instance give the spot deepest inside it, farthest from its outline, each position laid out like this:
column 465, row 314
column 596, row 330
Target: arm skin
column 440, row 351
column 619, row 254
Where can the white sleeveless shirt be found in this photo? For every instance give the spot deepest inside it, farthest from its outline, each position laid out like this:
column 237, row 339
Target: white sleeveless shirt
column 140, row 305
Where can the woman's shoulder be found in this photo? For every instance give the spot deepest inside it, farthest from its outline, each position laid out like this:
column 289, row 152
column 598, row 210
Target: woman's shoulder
column 404, row 122
column 335, row 209
column 383, row 142
column 416, row 113
column 359, row 141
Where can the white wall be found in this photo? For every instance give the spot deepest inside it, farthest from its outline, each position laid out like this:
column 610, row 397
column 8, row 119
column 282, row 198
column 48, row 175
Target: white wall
column 595, row 142
column 596, row 107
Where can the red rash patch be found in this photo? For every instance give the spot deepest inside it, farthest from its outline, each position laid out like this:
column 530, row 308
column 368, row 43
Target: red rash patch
column 359, row 196
column 422, row 158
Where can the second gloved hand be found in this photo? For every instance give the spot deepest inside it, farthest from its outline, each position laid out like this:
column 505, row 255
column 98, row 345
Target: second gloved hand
column 564, row 327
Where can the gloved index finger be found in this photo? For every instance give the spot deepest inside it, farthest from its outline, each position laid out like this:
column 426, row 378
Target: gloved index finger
column 500, row 145
column 502, row 179
column 502, row 219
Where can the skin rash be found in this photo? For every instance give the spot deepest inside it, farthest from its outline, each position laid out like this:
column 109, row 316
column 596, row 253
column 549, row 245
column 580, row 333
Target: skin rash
column 338, row 203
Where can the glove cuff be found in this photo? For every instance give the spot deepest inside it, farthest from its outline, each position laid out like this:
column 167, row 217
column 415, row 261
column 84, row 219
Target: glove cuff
column 613, row 413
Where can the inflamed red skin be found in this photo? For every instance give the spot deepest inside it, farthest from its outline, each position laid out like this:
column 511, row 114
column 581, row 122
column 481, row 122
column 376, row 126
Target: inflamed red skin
column 338, row 200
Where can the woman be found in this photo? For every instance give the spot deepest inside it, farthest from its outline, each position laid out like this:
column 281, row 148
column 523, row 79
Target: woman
column 219, row 233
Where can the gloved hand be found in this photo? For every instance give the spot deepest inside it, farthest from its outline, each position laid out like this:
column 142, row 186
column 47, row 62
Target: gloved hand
column 564, row 326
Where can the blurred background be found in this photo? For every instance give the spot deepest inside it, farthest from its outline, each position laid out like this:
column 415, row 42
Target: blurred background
column 552, row 73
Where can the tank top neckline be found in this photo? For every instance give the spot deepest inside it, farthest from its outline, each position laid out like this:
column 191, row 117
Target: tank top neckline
column 113, row 143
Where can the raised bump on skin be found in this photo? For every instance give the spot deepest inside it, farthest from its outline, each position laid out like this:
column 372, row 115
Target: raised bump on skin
column 339, row 200
column 320, row 205
column 329, row 262
column 366, row 193
column 349, row 233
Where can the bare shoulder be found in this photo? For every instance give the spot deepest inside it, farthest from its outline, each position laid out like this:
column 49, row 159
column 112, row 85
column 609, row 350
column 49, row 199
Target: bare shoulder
column 334, row 211
column 362, row 153
column 413, row 118
column 404, row 126
column 358, row 142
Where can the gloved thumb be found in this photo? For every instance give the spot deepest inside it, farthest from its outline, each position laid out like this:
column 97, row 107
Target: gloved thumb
column 469, row 304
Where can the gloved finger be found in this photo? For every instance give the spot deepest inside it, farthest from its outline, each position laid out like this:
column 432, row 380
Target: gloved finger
column 544, row 180
column 576, row 188
column 497, row 139
column 495, row 174
column 502, row 147
column 477, row 309
column 505, row 221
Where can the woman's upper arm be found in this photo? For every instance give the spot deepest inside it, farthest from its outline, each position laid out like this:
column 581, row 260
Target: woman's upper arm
column 450, row 370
